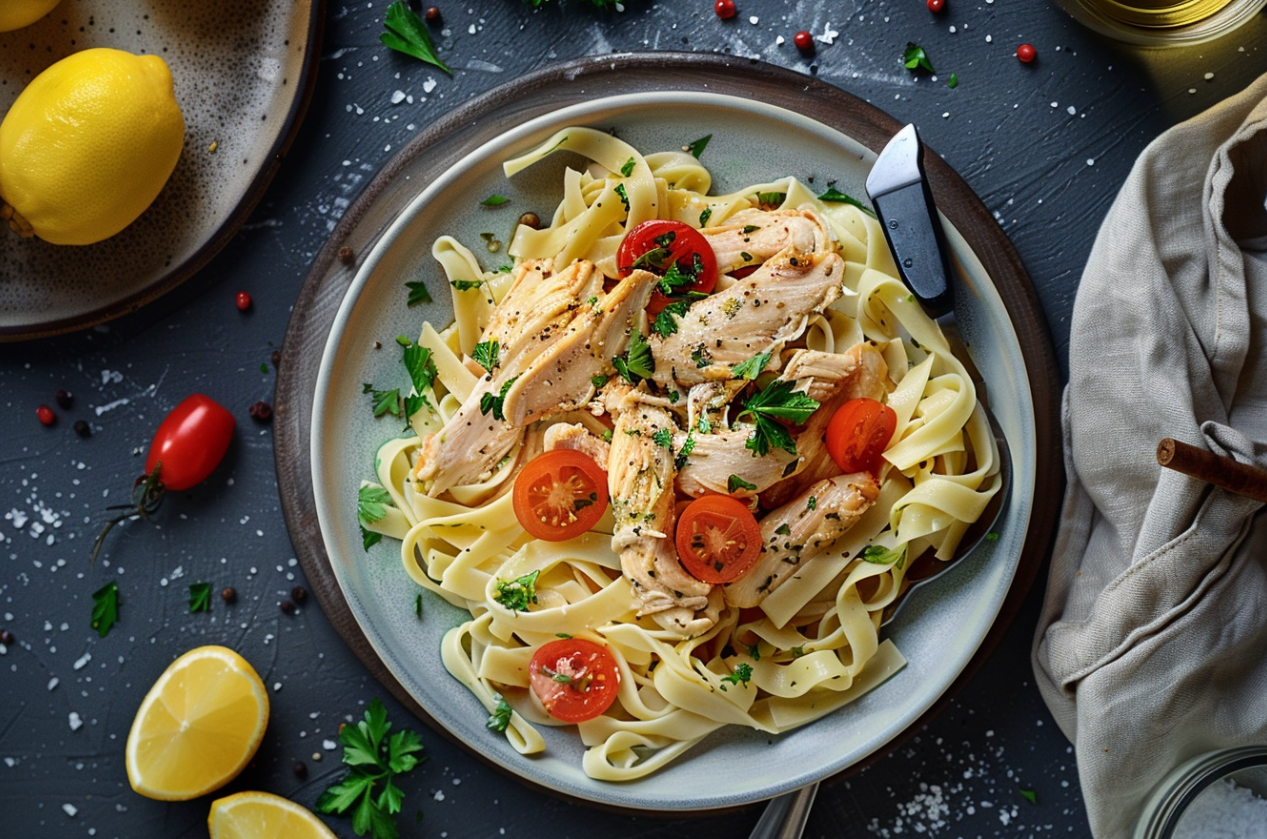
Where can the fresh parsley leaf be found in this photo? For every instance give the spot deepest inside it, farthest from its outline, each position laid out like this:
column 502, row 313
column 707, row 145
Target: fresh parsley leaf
column 754, row 652
column 628, row 168
column 487, row 354
column 696, row 148
column 704, row 216
column 751, row 228
column 734, row 482
column 375, row 760
column 421, row 367
column 417, row 293
column 777, row 401
column 1029, row 795
column 665, row 323
column 797, row 652
column 636, row 364
column 489, row 402
column 369, row 538
column 494, row 201
column 812, row 504
column 466, row 285
column 835, row 196
column 954, row 80
column 599, row 380
column 500, row 718
column 751, row 368
column 606, row 436
column 408, row 34
column 743, row 672
column 105, row 608
column 199, row 597
column 688, row 446
column 884, row 556
column 771, row 198
column 383, row 401
column 372, row 503
column 518, row 594
column 702, row 357
column 784, row 529
column 914, row 58
column 624, row 196
column 663, row 437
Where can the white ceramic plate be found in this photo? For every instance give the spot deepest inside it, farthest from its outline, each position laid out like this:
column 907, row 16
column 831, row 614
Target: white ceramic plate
column 938, row 632
column 240, row 69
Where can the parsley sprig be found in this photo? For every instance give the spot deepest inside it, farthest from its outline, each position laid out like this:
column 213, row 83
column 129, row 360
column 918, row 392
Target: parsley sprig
column 636, row 364
column 105, row 608
column 776, row 401
column 376, row 759
column 405, row 32
column 914, row 58
column 518, row 594
column 371, row 506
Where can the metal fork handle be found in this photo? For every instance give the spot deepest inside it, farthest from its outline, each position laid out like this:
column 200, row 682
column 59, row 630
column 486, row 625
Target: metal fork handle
column 785, row 816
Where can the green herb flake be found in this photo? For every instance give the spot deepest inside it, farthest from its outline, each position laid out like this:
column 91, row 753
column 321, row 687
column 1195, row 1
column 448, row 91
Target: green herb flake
column 494, row 201
column 408, row 34
column 371, row 506
column 1029, row 795
column 751, row 368
column 663, row 437
column 751, row 228
column 636, row 364
column 665, row 323
column 783, row 529
column 417, row 293
column 835, row 196
column 735, row 483
column 812, row 504
column 704, row 216
column 518, row 594
column 105, row 608
column 628, row 168
column 697, row 147
column 487, row 354
column 624, row 196
column 418, row 606
column 606, row 436
column 688, row 446
column 771, row 198
column 992, row 536
column 954, row 80
column 466, row 285
column 494, row 404
column 500, row 718
column 199, row 597
column 881, row 555
column 914, row 58
column 264, row 368
column 375, row 760
column 777, row 401
column 743, row 672
column 383, row 401
column 599, row 380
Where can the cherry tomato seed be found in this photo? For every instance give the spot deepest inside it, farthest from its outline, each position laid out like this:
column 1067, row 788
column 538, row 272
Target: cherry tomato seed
column 46, row 415
column 243, row 301
column 725, row 9
column 935, row 6
column 1026, row 53
column 803, row 40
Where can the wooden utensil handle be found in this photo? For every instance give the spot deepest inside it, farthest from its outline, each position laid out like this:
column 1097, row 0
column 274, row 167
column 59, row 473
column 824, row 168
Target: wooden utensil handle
column 1240, row 478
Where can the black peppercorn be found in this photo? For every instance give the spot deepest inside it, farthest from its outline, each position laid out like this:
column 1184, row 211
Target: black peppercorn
column 530, row 220
column 287, row 606
column 299, row 594
column 64, row 399
column 6, row 637
column 82, row 428
column 300, row 769
column 261, row 411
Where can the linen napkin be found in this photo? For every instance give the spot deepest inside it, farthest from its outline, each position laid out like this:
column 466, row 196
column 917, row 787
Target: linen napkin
column 1152, row 644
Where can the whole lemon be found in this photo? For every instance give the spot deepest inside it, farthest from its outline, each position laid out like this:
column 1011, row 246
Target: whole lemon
column 14, row 14
column 89, row 145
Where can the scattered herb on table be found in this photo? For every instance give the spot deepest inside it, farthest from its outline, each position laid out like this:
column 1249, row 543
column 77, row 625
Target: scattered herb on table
column 915, row 58
column 199, row 597
column 408, row 34
column 1029, row 795
column 954, row 80
column 105, row 608
column 376, row 759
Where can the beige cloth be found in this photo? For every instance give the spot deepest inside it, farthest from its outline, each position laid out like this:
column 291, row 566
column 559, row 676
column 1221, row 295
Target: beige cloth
column 1152, row 646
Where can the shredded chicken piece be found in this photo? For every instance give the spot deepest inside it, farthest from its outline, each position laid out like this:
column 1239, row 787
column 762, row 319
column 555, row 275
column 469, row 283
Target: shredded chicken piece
column 757, row 314
column 750, row 237
column 800, row 530
column 715, row 457
column 574, row 436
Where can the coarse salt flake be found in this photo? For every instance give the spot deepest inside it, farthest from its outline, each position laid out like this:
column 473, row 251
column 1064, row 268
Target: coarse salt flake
column 398, row 97
column 70, row 809
column 75, row 721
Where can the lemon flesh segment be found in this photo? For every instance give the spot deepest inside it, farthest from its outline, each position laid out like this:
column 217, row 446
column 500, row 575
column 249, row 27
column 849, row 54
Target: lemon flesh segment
column 262, row 815
column 15, row 14
column 89, row 144
column 198, row 726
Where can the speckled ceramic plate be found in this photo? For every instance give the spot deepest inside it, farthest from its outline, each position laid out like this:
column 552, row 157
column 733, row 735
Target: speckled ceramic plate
column 242, row 70
column 942, row 631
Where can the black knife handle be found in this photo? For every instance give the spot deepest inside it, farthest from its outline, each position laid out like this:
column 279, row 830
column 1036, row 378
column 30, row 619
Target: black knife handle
column 913, row 228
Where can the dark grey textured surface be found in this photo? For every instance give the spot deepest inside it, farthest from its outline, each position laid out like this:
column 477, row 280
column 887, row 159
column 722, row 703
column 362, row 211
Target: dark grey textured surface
column 1044, row 145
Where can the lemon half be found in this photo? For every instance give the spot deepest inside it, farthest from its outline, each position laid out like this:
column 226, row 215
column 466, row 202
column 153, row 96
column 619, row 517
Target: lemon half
column 262, row 815
column 198, row 726
column 88, row 145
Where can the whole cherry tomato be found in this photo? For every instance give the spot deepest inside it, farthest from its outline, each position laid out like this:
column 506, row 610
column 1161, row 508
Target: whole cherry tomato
column 858, row 433
column 190, row 442
column 575, row 679
column 718, row 539
column 676, row 252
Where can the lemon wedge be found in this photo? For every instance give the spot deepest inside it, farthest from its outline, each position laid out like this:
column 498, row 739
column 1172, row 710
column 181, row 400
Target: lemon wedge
column 198, row 726
column 262, row 815
column 88, row 145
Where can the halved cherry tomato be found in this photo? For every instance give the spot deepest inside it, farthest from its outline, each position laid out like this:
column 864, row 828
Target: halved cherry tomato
column 858, row 433
column 576, row 680
column 655, row 245
column 560, row 495
column 190, row 442
column 718, row 539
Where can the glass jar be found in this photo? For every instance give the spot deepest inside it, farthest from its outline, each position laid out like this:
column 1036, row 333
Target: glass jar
column 1181, row 792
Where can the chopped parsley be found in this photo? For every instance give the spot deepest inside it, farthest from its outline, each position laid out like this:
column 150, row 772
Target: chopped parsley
column 771, row 198
column 105, row 608
column 835, row 196
column 751, row 228
column 383, row 401
column 489, row 402
column 408, row 34
column 599, row 380
column 199, row 597
column 466, row 285
column 812, row 504
column 702, row 357
column 688, row 446
column 743, row 672
column 783, row 529
column 914, row 58
column 735, row 483
column 606, row 436
column 704, row 216
column 751, row 368
column 417, row 293
column 500, row 718
column 418, row 606
column 663, row 437
column 375, row 760
column 881, row 555
column 624, row 196
column 494, row 201
column 665, row 323
column 636, row 364
column 371, row 506
column 628, row 168
column 1028, row 794
column 697, row 147
column 776, row 401
column 487, row 354
column 954, row 80
column 519, row 593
